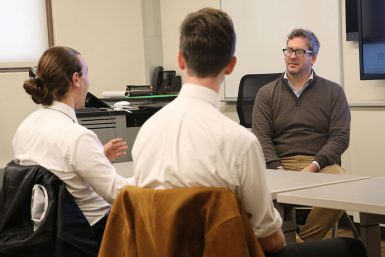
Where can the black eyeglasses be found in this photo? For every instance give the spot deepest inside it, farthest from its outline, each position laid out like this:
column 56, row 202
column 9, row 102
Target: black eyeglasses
column 298, row 52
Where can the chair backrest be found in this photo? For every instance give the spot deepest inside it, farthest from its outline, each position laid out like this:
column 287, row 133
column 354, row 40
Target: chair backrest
column 248, row 88
column 178, row 222
column 157, row 78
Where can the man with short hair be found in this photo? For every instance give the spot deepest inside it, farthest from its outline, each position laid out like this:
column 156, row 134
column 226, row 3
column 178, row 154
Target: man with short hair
column 189, row 143
column 303, row 122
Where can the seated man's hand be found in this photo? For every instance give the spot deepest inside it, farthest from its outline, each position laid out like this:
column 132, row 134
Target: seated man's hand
column 115, row 148
column 312, row 167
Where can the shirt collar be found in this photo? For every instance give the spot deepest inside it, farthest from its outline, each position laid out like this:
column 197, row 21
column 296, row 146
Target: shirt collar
column 200, row 92
column 310, row 78
column 292, row 87
column 63, row 108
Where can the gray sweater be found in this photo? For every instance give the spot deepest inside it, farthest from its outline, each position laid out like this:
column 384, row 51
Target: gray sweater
column 315, row 124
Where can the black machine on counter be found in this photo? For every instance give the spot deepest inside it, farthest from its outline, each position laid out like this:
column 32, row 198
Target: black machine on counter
column 162, row 82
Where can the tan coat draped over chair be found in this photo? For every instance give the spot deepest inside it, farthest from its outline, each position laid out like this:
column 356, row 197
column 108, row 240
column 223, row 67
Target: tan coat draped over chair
column 177, row 223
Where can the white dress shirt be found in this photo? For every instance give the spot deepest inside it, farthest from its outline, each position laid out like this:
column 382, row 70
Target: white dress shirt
column 52, row 138
column 189, row 143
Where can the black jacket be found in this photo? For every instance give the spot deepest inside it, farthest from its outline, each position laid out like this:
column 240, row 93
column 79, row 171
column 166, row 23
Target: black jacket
column 64, row 231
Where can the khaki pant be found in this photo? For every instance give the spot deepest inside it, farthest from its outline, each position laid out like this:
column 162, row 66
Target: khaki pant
column 320, row 220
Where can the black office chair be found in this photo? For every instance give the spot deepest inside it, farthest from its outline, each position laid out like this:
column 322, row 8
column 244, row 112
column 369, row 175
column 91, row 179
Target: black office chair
column 335, row 247
column 157, row 78
column 248, row 88
column 55, row 228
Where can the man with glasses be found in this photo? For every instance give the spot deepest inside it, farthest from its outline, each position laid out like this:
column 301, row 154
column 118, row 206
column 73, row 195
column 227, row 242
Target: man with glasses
column 303, row 123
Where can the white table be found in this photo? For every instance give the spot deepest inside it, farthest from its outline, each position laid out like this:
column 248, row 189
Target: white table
column 364, row 196
column 280, row 181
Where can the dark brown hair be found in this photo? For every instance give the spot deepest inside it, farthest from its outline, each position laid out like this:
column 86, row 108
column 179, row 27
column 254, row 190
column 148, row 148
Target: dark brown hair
column 207, row 41
column 53, row 75
column 312, row 41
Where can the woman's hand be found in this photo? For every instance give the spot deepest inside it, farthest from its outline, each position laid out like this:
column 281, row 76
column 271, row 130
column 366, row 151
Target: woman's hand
column 115, row 148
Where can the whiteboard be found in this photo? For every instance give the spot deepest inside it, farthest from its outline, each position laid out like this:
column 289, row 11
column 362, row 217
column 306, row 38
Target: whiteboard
column 262, row 28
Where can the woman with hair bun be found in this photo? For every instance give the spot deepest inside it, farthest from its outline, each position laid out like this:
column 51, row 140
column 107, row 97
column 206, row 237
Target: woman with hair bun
column 51, row 136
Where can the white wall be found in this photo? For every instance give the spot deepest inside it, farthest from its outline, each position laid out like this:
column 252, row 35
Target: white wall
column 14, row 106
column 110, row 37
column 365, row 154
column 152, row 35
column 172, row 14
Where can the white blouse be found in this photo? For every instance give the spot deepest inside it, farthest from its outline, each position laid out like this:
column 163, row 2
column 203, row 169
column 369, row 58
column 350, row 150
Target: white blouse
column 52, row 138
